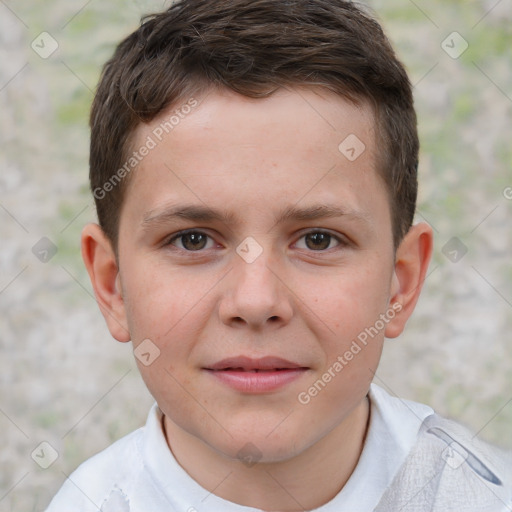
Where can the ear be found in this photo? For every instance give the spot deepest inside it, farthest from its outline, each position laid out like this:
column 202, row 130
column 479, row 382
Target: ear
column 101, row 264
column 411, row 264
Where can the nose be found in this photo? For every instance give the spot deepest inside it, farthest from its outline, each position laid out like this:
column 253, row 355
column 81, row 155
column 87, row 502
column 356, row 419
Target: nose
column 256, row 296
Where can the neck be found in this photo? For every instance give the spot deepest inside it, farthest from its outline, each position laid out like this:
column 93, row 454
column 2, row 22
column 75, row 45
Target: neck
column 304, row 482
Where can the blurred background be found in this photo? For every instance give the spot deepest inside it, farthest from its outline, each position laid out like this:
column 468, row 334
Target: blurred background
column 64, row 381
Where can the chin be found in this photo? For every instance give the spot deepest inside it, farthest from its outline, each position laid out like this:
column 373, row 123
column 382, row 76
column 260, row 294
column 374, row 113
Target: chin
column 259, row 446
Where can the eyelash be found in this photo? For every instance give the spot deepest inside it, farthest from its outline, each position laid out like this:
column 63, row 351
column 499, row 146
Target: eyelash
column 340, row 241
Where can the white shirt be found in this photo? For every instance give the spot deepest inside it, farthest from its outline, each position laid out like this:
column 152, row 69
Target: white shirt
column 139, row 473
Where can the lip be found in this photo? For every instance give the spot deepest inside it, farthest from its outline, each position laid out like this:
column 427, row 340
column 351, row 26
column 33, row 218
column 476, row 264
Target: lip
column 260, row 375
column 248, row 363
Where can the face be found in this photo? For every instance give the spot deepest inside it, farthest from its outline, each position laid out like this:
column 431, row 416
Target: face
column 254, row 252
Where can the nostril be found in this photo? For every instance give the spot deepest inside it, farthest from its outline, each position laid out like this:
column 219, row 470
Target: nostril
column 273, row 319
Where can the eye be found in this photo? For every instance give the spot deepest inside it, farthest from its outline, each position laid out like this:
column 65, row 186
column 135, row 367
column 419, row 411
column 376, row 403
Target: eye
column 191, row 241
column 318, row 241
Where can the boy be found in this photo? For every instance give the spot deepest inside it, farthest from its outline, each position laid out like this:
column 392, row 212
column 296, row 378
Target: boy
column 254, row 167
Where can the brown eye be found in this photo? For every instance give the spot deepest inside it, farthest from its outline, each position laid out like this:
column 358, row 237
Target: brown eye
column 317, row 241
column 191, row 241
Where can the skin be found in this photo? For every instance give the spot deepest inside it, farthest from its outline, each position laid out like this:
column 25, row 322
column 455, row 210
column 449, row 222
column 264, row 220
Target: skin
column 249, row 159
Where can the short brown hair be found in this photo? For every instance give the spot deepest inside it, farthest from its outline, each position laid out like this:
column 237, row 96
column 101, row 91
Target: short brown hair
column 253, row 47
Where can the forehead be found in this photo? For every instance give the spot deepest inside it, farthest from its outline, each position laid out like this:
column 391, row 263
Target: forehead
column 242, row 154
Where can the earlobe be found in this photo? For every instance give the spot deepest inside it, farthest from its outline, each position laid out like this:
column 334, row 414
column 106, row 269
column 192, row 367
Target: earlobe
column 101, row 264
column 411, row 265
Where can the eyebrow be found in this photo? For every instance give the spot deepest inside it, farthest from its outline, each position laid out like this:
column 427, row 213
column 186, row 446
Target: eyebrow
column 201, row 213
column 320, row 211
column 186, row 212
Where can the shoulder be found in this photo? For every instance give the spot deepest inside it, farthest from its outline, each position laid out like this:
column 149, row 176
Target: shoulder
column 459, row 447
column 106, row 473
column 449, row 468
column 116, row 479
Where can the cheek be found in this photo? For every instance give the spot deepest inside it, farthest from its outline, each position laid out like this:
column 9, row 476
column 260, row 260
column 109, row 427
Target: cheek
column 166, row 308
column 344, row 311
column 169, row 308
column 346, row 319
column 345, row 304
column 159, row 300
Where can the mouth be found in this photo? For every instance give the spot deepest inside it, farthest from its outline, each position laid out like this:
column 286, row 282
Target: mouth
column 261, row 375
column 248, row 364
column 254, row 370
